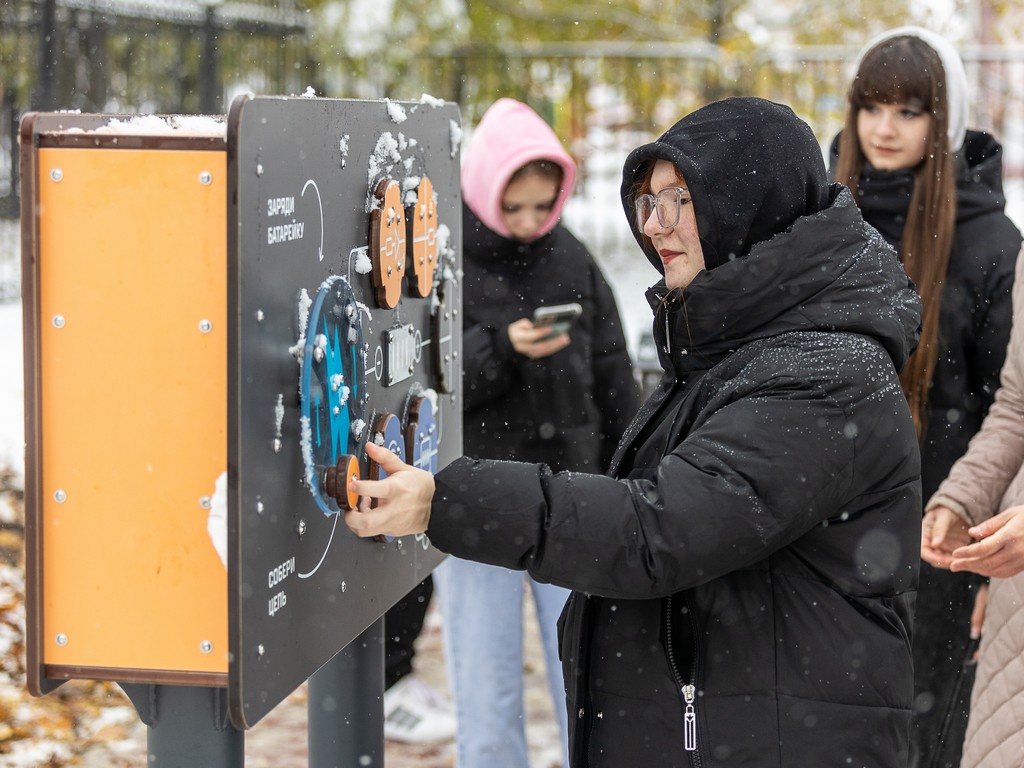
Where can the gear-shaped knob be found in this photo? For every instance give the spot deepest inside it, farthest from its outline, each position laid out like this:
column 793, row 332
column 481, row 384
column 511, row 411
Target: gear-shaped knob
column 337, row 479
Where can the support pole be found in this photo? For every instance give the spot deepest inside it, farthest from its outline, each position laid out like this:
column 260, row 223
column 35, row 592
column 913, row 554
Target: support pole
column 209, row 75
column 46, row 94
column 346, row 705
column 188, row 726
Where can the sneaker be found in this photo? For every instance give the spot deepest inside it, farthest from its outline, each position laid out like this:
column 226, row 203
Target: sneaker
column 415, row 713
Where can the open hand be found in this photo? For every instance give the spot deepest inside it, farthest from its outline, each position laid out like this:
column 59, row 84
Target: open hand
column 998, row 549
column 397, row 505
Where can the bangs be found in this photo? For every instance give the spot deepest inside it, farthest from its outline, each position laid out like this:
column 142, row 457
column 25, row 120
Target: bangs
column 902, row 70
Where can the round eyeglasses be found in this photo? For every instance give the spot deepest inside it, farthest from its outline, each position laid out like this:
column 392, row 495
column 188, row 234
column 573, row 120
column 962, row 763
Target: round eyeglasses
column 667, row 203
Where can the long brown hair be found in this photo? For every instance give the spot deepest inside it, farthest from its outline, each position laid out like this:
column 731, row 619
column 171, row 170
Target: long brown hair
column 906, row 70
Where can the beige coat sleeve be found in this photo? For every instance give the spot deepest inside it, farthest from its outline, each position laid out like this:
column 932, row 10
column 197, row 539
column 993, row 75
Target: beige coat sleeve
column 980, row 479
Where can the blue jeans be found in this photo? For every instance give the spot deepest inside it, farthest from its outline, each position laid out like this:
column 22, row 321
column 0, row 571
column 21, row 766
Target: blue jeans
column 482, row 611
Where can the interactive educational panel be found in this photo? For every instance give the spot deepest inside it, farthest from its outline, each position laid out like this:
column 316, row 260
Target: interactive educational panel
column 343, row 293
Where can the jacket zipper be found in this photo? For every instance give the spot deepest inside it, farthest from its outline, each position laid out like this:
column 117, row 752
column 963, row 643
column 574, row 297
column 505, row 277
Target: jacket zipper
column 689, row 720
column 688, row 689
column 668, row 336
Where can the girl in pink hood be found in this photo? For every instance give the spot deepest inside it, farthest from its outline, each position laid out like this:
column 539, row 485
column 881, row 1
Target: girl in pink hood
column 563, row 400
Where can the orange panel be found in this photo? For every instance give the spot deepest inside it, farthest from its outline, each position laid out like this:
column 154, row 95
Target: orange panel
column 133, row 356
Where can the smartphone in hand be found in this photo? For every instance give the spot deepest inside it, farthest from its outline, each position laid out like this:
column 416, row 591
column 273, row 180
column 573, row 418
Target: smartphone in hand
column 560, row 318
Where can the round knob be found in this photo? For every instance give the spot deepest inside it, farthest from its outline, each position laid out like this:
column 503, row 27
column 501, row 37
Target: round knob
column 337, row 480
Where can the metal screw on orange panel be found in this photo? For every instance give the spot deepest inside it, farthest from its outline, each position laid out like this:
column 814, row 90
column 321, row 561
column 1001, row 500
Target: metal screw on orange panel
column 61, row 639
column 60, row 496
column 205, row 326
column 206, row 646
column 205, row 502
column 205, row 178
column 58, row 321
column 56, row 174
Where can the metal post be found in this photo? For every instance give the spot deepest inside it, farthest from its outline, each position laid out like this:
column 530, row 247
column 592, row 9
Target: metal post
column 46, row 94
column 208, row 75
column 346, row 705
column 188, row 726
column 9, row 203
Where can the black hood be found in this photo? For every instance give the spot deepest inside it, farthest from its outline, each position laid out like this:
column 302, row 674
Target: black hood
column 979, row 178
column 830, row 271
column 752, row 167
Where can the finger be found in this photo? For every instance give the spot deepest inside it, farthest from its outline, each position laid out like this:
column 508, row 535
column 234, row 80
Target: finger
column 549, row 347
column 390, row 462
column 940, row 528
column 1004, row 563
column 935, row 557
column 984, row 566
column 520, row 332
column 990, row 526
column 982, row 530
column 373, row 489
column 362, row 524
column 366, row 504
column 984, row 548
column 926, row 531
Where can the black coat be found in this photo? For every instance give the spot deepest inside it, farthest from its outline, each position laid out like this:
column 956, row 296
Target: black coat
column 569, row 409
column 759, row 537
column 976, row 311
column 974, row 327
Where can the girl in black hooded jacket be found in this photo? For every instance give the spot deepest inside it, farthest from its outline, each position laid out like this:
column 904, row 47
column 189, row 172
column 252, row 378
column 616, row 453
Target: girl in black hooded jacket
column 938, row 200
column 744, row 577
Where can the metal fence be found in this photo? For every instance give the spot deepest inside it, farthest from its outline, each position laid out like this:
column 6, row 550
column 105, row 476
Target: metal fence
column 135, row 56
column 603, row 99
column 140, row 56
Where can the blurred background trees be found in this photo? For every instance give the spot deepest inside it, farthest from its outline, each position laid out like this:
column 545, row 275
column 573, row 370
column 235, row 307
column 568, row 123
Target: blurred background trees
column 606, row 73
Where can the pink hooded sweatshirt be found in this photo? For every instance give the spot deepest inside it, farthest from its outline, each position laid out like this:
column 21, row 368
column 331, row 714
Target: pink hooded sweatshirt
column 509, row 136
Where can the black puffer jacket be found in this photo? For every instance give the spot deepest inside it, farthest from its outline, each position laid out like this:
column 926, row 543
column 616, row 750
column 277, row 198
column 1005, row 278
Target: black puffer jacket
column 976, row 311
column 759, row 539
column 974, row 329
column 568, row 410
